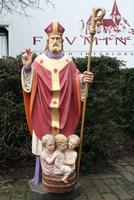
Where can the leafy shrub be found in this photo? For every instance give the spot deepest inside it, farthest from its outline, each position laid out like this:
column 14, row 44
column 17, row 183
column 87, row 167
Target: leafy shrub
column 103, row 133
column 15, row 142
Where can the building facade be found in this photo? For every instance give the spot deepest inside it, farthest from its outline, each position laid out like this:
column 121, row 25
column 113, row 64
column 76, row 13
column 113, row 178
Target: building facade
column 114, row 37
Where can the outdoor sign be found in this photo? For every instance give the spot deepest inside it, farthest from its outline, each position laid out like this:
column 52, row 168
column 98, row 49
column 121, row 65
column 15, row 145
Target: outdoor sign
column 114, row 37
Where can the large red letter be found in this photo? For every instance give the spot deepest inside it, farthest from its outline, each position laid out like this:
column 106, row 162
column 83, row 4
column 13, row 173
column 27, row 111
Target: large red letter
column 36, row 39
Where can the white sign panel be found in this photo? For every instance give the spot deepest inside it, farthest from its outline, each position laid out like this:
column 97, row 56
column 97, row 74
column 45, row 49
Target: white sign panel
column 114, row 37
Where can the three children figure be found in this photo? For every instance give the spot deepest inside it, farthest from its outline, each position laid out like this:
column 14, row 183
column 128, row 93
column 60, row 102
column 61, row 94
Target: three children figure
column 59, row 157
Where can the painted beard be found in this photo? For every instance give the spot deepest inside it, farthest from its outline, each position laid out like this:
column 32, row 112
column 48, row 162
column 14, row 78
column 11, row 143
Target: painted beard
column 55, row 48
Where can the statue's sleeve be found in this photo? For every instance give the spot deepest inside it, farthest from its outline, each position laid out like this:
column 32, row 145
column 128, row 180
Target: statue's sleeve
column 26, row 79
column 82, row 86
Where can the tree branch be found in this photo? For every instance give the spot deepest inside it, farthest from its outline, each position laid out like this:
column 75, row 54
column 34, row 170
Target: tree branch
column 14, row 6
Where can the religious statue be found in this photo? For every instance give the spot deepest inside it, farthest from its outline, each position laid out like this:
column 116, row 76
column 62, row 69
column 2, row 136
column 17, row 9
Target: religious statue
column 53, row 89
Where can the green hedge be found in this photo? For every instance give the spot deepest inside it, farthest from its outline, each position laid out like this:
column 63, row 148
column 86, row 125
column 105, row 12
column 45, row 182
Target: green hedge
column 15, row 142
column 109, row 115
column 128, row 99
column 103, row 134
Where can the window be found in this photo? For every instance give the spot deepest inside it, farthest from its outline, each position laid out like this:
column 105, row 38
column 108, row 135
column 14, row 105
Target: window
column 3, row 41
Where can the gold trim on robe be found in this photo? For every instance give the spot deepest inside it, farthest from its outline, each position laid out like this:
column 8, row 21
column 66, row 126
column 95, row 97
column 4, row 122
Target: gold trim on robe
column 54, row 66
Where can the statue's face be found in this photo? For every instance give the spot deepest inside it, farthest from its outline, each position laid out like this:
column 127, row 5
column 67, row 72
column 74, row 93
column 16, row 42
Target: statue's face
column 55, row 43
column 62, row 146
column 50, row 145
column 72, row 143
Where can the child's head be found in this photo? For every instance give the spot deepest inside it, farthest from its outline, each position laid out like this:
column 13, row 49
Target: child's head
column 48, row 141
column 73, row 141
column 61, row 142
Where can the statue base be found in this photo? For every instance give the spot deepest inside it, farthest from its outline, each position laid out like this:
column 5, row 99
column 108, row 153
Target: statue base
column 38, row 193
column 53, row 184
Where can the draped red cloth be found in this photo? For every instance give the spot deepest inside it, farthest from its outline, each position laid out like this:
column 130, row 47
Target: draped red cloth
column 37, row 103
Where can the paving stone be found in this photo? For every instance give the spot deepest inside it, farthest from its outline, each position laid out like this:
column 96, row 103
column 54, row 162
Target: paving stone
column 5, row 196
column 128, row 159
column 128, row 176
column 101, row 187
column 105, row 176
column 132, row 159
column 85, row 180
column 122, row 162
column 130, row 169
column 131, row 192
column 130, row 187
column 17, row 196
column 131, row 163
column 121, row 192
column 6, row 187
column 109, row 182
column 125, row 181
column 93, row 194
column 120, row 168
column 81, row 197
column 5, row 182
column 119, row 181
column 27, row 195
column 110, row 197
